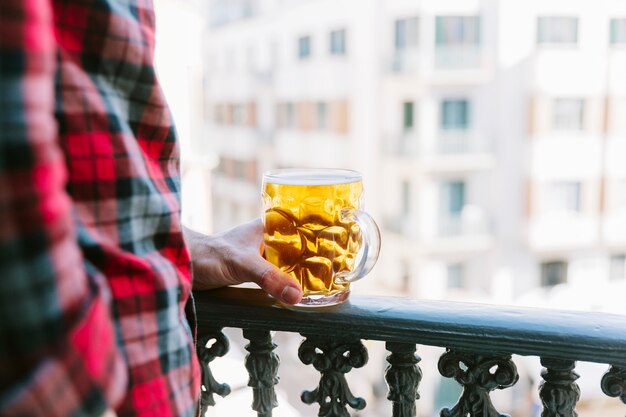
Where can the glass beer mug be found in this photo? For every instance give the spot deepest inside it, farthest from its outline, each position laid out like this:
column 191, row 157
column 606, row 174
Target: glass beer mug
column 315, row 231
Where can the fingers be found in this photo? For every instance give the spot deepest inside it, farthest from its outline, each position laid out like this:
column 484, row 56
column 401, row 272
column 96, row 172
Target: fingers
column 273, row 281
column 239, row 250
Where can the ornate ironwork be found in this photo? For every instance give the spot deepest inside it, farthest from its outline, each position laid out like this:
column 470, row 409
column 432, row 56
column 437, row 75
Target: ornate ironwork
column 206, row 355
column 403, row 376
column 333, row 359
column 262, row 365
column 479, row 375
column 614, row 383
column 559, row 391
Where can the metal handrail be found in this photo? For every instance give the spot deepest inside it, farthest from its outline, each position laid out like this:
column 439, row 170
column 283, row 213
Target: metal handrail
column 568, row 335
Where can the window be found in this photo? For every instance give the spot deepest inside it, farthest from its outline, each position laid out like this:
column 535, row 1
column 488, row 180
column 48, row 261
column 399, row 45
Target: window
column 286, row 115
column 229, row 113
column 304, row 47
column 454, row 114
column 406, row 198
column 339, row 116
column 305, row 115
column 240, row 169
column 322, row 116
column 452, row 198
column 407, row 115
column 252, row 171
column 238, row 115
column 455, row 276
column 227, row 166
column 567, row 114
column 338, row 42
column 290, row 115
column 457, row 30
column 220, row 116
column 553, row 273
column 281, row 115
column 406, row 35
column 251, row 119
column 617, row 267
column 557, row 30
column 564, row 197
column 618, row 31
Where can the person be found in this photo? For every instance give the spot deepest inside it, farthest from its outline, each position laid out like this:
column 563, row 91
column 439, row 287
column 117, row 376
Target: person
column 96, row 270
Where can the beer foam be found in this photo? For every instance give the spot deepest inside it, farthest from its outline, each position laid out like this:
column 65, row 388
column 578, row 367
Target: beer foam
column 311, row 176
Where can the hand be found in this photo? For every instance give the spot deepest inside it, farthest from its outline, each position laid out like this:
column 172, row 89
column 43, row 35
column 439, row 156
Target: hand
column 234, row 257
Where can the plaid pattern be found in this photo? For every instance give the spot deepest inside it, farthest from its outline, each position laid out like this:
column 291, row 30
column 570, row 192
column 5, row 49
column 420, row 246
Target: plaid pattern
column 94, row 274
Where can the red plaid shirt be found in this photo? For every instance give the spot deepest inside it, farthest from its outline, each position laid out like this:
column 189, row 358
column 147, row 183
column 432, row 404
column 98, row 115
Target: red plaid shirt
column 94, row 272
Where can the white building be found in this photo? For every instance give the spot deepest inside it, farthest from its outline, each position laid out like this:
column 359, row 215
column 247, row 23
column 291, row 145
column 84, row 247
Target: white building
column 491, row 133
column 180, row 68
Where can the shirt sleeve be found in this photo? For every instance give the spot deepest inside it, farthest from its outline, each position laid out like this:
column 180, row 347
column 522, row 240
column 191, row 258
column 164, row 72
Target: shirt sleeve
column 58, row 350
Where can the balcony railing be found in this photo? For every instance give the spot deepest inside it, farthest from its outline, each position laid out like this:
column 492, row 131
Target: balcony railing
column 402, row 224
column 402, row 144
column 472, row 220
column 460, row 141
column 458, row 57
column 447, row 142
column 405, row 61
column 479, row 342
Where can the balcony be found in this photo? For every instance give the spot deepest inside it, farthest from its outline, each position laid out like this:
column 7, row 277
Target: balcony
column 467, row 232
column 404, row 145
column 460, row 141
column 461, row 64
column 479, row 341
column 402, row 225
column 235, row 188
column 471, row 221
column 234, row 140
column 558, row 231
column 298, row 148
column 457, row 144
column 456, row 64
column 458, row 57
column 459, row 150
column 405, row 61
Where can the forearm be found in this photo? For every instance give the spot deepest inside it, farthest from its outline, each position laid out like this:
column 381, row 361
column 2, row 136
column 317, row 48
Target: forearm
column 208, row 256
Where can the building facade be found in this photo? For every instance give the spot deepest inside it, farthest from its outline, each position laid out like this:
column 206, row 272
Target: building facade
column 491, row 133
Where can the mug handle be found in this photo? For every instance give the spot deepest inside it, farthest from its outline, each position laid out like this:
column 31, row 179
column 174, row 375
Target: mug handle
column 370, row 245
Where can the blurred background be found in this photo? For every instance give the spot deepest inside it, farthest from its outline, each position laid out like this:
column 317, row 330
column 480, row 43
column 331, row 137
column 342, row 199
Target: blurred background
column 491, row 135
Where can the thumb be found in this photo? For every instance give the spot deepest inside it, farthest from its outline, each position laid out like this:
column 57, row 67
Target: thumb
column 272, row 280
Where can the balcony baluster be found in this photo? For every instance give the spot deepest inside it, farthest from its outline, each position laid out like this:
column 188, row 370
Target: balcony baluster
column 262, row 365
column 479, row 375
column 206, row 355
column 403, row 376
column 333, row 359
column 614, row 383
column 559, row 392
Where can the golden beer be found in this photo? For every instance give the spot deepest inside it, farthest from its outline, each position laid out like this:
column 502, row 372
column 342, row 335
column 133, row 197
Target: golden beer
column 310, row 231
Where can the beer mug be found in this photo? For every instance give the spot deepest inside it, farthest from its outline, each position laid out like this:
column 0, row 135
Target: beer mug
column 315, row 231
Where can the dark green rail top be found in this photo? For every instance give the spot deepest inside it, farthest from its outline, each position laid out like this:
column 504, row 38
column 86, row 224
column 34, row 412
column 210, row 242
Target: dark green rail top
column 594, row 337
